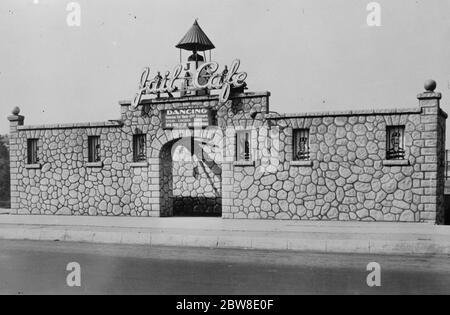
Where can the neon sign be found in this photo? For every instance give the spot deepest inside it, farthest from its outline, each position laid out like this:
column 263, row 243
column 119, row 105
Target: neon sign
column 205, row 77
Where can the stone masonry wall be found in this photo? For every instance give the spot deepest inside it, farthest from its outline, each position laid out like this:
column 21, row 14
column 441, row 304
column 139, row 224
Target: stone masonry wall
column 64, row 183
column 347, row 177
column 233, row 114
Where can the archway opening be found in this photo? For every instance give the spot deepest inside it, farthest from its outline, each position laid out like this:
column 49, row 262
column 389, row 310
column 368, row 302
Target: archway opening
column 190, row 180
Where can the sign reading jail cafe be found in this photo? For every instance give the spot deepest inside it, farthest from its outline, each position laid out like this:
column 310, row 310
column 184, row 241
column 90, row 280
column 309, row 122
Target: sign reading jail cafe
column 206, row 76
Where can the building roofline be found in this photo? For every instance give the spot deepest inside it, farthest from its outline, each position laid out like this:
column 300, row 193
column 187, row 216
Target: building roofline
column 106, row 124
column 369, row 112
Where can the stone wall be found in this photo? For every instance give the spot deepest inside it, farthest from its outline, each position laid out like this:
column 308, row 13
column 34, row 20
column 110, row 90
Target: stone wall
column 347, row 177
column 64, row 183
column 231, row 115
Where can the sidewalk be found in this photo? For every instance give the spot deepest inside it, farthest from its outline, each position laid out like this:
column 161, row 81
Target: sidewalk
column 333, row 237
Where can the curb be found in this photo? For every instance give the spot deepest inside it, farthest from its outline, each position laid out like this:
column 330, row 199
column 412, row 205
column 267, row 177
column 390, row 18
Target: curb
column 268, row 242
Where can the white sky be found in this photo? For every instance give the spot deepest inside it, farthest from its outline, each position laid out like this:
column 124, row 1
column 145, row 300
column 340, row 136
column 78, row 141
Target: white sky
column 311, row 54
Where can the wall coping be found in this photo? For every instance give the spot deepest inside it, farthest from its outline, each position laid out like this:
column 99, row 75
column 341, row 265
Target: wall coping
column 429, row 95
column 16, row 118
column 187, row 99
column 369, row 112
column 106, row 124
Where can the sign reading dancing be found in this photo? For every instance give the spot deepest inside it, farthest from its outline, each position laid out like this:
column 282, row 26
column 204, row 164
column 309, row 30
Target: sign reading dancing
column 205, row 77
column 186, row 118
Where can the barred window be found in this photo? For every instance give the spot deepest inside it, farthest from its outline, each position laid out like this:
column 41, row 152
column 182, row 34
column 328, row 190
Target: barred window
column 301, row 144
column 139, row 148
column 32, row 148
column 243, row 146
column 395, row 143
column 94, row 149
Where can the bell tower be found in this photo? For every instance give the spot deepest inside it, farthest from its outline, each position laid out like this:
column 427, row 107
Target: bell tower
column 194, row 41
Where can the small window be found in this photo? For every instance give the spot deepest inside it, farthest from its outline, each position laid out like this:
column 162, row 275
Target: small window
column 395, row 143
column 243, row 146
column 301, row 144
column 139, row 148
column 94, row 149
column 32, row 148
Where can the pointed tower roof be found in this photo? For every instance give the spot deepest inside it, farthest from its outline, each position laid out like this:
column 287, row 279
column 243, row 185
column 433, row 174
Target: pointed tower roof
column 195, row 40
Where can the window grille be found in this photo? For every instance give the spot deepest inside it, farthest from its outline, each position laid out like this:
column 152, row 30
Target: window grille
column 243, row 146
column 139, row 148
column 395, row 143
column 32, row 147
column 301, row 144
column 94, row 149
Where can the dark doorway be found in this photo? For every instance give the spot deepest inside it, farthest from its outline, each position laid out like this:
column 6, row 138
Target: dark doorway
column 197, row 207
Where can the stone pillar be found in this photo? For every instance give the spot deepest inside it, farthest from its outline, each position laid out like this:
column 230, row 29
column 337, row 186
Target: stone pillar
column 433, row 182
column 155, row 187
column 227, row 189
column 15, row 120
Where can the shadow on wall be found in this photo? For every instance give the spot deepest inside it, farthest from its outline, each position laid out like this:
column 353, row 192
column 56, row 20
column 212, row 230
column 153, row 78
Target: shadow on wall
column 4, row 173
column 447, row 209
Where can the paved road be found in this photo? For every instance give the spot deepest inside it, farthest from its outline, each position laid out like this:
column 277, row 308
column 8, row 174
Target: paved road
column 40, row 268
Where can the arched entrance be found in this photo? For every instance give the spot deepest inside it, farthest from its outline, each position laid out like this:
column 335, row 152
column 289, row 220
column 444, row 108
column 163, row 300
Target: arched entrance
column 190, row 180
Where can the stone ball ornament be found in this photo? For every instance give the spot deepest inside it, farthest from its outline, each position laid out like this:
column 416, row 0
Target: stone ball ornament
column 430, row 85
column 16, row 111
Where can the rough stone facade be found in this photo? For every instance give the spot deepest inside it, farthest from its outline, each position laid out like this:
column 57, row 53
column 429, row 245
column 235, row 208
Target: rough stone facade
column 346, row 178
